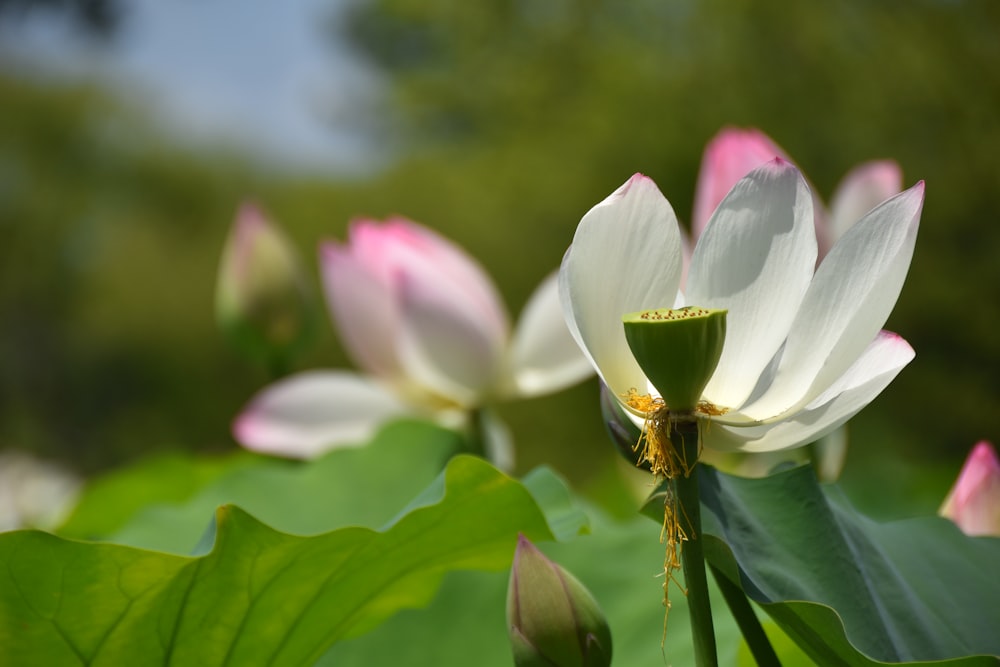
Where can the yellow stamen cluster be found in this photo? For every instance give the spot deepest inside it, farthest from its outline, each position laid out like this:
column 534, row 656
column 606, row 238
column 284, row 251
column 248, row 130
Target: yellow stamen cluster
column 666, row 462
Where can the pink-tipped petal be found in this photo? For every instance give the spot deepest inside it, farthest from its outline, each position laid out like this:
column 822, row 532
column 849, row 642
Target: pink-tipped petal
column 543, row 356
column 625, row 256
column 857, row 387
column 849, row 300
column 400, row 246
column 364, row 308
column 307, row 414
column 729, row 156
column 755, row 259
column 862, row 189
column 974, row 501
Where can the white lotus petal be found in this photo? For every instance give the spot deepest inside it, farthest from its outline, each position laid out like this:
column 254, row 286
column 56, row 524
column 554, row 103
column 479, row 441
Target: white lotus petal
column 445, row 344
column 305, row 415
column 755, row 258
column 849, row 300
column 856, row 388
column 626, row 256
column 862, row 189
column 543, row 356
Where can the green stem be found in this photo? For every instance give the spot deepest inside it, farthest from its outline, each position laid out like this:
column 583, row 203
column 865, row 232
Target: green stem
column 475, row 439
column 692, row 554
column 746, row 619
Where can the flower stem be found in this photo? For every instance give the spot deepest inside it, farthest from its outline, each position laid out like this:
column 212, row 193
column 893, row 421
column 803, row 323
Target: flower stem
column 692, row 554
column 746, row 619
column 475, row 437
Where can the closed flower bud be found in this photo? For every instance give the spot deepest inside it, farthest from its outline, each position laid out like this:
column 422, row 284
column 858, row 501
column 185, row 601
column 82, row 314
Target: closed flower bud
column 974, row 501
column 262, row 298
column 552, row 619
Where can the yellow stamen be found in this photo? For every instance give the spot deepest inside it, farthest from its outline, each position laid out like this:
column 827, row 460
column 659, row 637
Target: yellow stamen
column 666, row 462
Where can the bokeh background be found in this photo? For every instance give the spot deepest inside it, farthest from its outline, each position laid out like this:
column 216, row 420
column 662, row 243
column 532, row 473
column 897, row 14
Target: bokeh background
column 131, row 131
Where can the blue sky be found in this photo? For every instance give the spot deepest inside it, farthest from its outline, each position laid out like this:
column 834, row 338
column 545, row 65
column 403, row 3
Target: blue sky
column 264, row 76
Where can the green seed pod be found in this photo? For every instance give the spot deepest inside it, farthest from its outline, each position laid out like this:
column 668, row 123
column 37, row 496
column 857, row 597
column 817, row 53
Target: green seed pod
column 678, row 350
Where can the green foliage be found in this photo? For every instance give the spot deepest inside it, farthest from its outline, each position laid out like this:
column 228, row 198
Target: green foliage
column 260, row 596
column 849, row 590
column 402, row 459
column 107, row 269
column 619, row 562
column 788, row 652
column 109, row 501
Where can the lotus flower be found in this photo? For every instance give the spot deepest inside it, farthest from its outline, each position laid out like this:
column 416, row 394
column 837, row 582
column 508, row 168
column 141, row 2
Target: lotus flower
column 428, row 328
column 728, row 157
column 974, row 501
column 803, row 349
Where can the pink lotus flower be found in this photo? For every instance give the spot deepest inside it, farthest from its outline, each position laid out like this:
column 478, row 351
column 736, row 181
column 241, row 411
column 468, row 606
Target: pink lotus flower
column 974, row 501
column 426, row 325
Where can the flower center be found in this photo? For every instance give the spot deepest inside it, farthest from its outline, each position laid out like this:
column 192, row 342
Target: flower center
column 678, row 350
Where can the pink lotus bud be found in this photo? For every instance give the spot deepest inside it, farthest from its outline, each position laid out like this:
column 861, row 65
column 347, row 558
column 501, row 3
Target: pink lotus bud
column 974, row 501
column 262, row 298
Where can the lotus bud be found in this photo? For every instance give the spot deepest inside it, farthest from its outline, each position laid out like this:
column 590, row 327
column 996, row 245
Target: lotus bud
column 678, row 350
column 263, row 300
column 551, row 618
column 974, row 501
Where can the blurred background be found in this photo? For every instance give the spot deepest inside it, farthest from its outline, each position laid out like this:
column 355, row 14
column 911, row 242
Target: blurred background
column 131, row 131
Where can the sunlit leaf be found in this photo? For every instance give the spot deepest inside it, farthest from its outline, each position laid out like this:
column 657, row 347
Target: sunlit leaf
column 110, row 501
column 620, row 562
column 260, row 596
column 298, row 497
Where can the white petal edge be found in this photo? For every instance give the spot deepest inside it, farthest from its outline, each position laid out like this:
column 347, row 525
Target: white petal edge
column 863, row 381
column 543, row 355
column 309, row 413
column 755, row 258
column 849, row 300
column 625, row 257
